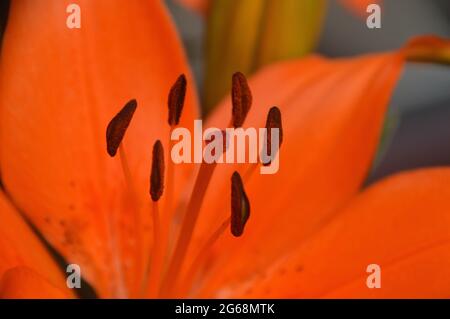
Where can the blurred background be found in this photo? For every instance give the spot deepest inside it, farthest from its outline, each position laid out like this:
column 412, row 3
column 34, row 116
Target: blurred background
column 419, row 133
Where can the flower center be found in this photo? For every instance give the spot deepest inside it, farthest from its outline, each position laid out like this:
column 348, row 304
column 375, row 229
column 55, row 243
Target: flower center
column 162, row 274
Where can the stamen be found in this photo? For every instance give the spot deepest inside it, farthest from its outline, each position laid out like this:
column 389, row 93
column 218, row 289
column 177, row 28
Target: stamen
column 169, row 189
column 201, row 257
column 242, row 100
column 175, row 103
column 187, row 227
column 241, row 97
column 115, row 133
column 157, row 174
column 273, row 121
column 250, row 171
column 225, row 143
column 154, row 266
column 177, row 95
column 156, row 191
column 118, row 126
column 240, row 205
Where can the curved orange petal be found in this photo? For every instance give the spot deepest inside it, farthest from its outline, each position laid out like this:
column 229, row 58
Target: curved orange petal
column 59, row 89
column 359, row 7
column 401, row 223
column 428, row 48
column 24, row 283
column 19, row 245
column 333, row 112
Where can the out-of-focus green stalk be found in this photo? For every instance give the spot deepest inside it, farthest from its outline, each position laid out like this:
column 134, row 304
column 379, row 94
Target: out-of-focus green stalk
column 290, row 29
column 243, row 35
column 232, row 36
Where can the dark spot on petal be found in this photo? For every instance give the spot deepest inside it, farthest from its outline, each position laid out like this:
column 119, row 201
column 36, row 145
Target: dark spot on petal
column 299, row 268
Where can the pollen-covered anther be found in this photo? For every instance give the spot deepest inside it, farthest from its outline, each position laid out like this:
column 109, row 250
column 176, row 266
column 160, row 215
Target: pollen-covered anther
column 273, row 122
column 118, row 126
column 240, row 205
column 176, row 99
column 157, row 173
column 241, row 97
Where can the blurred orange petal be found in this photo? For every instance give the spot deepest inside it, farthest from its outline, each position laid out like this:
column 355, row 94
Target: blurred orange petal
column 333, row 113
column 428, row 49
column 19, row 245
column 24, row 283
column 59, row 89
column 359, row 7
column 401, row 224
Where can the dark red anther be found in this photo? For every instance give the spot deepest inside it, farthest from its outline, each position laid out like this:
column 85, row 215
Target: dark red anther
column 241, row 97
column 118, row 126
column 240, row 205
column 157, row 173
column 176, row 98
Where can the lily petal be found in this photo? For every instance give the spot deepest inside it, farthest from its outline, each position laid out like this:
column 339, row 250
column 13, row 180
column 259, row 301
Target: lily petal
column 428, row 49
column 24, row 283
column 401, row 224
column 59, row 89
column 333, row 112
column 19, row 245
column 359, row 7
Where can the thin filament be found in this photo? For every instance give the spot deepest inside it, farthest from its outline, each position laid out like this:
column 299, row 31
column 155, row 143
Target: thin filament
column 154, row 267
column 203, row 254
column 187, row 228
column 136, row 221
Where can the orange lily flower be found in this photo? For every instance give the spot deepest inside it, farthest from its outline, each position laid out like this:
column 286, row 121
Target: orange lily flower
column 312, row 232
